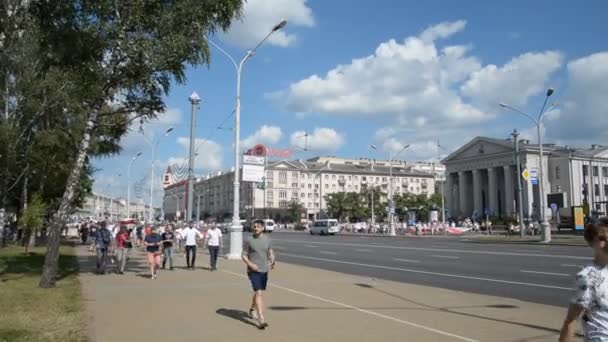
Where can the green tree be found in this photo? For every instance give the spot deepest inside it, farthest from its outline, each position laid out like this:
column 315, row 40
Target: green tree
column 32, row 219
column 379, row 202
column 100, row 65
column 295, row 210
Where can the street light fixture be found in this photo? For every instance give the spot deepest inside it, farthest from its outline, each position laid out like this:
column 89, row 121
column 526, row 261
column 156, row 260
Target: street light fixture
column 390, row 190
column 545, row 228
column 195, row 100
column 153, row 147
column 236, row 229
column 129, row 183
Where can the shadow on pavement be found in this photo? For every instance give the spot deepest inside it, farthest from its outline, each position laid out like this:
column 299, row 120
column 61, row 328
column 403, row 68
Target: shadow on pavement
column 238, row 315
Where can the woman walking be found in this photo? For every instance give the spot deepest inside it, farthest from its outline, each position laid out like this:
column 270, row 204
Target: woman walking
column 123, row 247
column 153, row 242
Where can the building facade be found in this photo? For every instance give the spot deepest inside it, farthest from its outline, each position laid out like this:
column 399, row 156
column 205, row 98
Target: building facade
column 101, row 207
column 481, row 178
column 305, row 181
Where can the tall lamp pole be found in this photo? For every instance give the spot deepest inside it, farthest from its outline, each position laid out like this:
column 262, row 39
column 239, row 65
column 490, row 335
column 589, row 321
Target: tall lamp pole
column 153, row 147
column 195, row 100
column 390, row 190
column 236, row 229
column 545, row 227
column 515, row 136
column 129, row 184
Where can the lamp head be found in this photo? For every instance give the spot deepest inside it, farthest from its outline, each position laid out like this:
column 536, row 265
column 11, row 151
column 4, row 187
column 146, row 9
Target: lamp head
column 549, row 92
column 280, row 25
column 503, row 105
column 373, row 147
column 168, row 131
column 194, row 98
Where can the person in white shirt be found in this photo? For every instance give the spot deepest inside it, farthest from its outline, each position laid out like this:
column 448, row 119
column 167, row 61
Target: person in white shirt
column 213, row 241
column 190, row 236
column 178, row 237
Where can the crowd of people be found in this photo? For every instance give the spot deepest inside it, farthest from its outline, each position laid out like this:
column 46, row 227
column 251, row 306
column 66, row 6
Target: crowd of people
column 114, row 243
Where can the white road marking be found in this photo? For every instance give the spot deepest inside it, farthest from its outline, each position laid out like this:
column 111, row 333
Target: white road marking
column 310, row 246
column 326, row 252
column 547, row 273
column 445, row 256
column 365, row 311
column 450, row 275
column 571, row 265
column 444, row 250
column 363, row 250
column 406, row 260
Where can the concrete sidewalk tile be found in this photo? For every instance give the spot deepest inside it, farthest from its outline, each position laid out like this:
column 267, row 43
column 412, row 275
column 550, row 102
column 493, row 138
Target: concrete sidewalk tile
column 304, row 304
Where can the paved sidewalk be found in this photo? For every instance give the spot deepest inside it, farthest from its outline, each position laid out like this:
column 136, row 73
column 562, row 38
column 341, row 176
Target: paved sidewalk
column 305, row 304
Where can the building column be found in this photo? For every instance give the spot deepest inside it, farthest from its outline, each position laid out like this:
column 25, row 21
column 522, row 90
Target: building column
column 462, row 193
column 449, row 193
column 492, row 191
column 509, row 190
column 477, row 199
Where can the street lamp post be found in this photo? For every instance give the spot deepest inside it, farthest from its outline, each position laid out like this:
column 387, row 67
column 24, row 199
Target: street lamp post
column 198, row 205
column 195, row 100
column 236, row 229
column 515, row 135
column 324, row 167
column 390, row 190
column 129, row 184
column 372, row 162
column 545, row 228
column 153, row 147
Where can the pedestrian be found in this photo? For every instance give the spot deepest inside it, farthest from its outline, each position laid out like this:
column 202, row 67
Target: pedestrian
column 103, row 240
column 153, row 243
column 92, row 235
column 168, row 238
column 84, row 233
column 259, row 257
column 139, row 235
column 213, row 241
column 179, row 239
column 123, row 248
column 190, row 236
column 591, row 291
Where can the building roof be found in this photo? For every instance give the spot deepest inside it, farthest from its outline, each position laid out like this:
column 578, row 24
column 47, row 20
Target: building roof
column 313, row 165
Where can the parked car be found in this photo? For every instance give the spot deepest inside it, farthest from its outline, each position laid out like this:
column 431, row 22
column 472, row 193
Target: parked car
column 325, row 227
column 269, row 225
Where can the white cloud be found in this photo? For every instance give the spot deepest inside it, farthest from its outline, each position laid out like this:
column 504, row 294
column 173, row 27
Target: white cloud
column 260, row 16
column 426, row 150
column 265, row 135
column 320, row 140
column 442, row 30
column 134, row 141
column 209, row 154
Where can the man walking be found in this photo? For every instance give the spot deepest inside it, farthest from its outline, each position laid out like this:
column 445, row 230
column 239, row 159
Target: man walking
column 259, row 257
column 190, row 236
column 168, row 240
column 214, row 244
column 103, row 240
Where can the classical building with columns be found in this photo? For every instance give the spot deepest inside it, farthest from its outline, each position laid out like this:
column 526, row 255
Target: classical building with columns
column 481, row 177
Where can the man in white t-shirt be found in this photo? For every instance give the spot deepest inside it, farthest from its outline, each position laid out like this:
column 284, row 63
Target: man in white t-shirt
column 179, row 238
column 214, row 244
column 190, row 235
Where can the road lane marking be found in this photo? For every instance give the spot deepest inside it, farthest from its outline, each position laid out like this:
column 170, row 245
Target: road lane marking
column 547, row 273
column 326, row 252
column 449, row 275
column 445, row 256
column 443, row 250
column 571, row 265
column 405, row 260
column 310, row 246
column 365, row 311
column 363, row 250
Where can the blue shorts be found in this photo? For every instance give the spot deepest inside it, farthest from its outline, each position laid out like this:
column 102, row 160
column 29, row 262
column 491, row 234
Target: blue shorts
column 258, row 280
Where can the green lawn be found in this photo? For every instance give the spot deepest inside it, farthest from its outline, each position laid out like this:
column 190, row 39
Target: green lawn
column 29, row 313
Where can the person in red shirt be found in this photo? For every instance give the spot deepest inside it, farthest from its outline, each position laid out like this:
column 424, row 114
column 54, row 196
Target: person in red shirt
column 123, row 247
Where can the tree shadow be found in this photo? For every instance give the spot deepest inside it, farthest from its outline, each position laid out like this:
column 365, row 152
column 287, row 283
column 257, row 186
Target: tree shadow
column 13, row 334
column 238, row 315
column 18, row 265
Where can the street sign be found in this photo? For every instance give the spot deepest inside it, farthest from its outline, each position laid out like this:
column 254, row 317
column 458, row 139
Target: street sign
column 526, row 174
column 253, row 160
column 253, row 173
column 534, row 176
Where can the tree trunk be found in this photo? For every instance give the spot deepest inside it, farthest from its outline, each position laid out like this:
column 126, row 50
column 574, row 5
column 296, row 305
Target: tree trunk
column 51, row 259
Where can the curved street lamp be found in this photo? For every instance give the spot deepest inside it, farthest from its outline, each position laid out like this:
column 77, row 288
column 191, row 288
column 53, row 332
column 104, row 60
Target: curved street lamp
column 153, row 146
column 129, row 183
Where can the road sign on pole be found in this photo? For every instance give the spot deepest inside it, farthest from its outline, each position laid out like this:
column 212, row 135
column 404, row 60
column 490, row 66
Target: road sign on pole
column 526, row 174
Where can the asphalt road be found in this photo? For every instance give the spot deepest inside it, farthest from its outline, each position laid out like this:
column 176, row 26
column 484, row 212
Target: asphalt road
column 535, row 273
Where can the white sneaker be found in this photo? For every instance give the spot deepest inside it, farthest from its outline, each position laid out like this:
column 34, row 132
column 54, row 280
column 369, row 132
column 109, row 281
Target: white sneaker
column 253, row 314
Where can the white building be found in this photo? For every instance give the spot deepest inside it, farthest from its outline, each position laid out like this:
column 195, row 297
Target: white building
column 98, row 207
column 306, row 181
column 481, row 176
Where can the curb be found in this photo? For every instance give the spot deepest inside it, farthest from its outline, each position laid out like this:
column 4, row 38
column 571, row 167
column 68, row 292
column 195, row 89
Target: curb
column 526, row 243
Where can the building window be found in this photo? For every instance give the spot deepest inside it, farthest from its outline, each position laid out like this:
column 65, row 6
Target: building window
column 316, row 205
column 270, row 195
column 282, row 177
column 294, row 185
column 557, row 173
column 317, row 195
column 333, row 177
column 304, row 185
column 596, row 188
column 309, row 195
column 349, row 187
column 356, row 187
column 294, row 195
column 326, row 177
column 596, row 171
column 326, row 186
column 605, row 171
column 605, row 189
column 309, row 186
column 282, row 194
column 362, row 178
column 317, row 186
column 303, row 195
column 282, row 204
column 309, row 176
column 585, row 170
column 384, row 179
column 269, row 175
column 333, row 186
column 309, row 205
column 269, row 185
column 349, row 177
column 356, row 177
column 294, row 175
column 269, row 204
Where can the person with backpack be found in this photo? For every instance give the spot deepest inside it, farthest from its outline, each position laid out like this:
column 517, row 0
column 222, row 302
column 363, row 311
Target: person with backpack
column 103, row 240
column 591, row 291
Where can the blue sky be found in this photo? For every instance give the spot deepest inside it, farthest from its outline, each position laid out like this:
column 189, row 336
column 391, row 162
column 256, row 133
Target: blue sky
column 389, row 73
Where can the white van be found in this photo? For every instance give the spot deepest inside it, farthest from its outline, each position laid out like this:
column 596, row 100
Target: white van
column 269, row 225
column 325, row 227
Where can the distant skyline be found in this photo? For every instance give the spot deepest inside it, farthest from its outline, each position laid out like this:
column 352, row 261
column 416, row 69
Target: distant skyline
column 387, row 73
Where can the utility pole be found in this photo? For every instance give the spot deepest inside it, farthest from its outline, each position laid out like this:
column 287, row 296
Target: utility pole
column 195, row 101
column 515, row 135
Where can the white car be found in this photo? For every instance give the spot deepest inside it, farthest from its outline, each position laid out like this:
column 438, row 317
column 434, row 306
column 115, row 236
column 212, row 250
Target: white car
column 269, row 225
column 325, row 227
